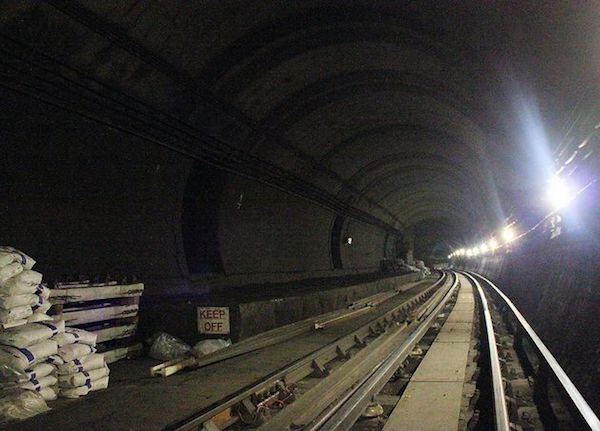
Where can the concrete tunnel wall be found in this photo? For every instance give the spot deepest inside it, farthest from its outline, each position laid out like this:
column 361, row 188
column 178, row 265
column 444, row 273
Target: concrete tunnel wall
column 557, row 288
column 84, row 198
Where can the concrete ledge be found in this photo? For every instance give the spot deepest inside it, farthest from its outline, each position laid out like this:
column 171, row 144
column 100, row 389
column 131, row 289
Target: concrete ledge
column 251, row 314
column 259, row 316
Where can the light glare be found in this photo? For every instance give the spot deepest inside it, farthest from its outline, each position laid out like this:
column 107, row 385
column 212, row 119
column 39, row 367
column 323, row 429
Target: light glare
column 508, row 234
column 559, row 193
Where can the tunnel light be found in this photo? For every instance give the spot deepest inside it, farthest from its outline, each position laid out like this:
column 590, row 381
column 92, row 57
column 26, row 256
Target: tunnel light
column 449, row 256
column 475, row 251
column 483, row 248
column 493, row 244
column 559, row 193
column 349, row 240
column 469, row 252
column 508, row 234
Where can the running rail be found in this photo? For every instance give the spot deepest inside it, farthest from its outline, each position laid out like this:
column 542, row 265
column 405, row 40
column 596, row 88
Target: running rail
column 579, row 403
column 345, row 413
column 197, row 419
column 500, row 410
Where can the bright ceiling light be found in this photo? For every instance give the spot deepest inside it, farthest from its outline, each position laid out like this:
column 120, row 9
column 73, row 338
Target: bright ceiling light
column 469, row 252
column 508, row 234
column 475, row 251
column 484, row 248
column 493, row 244
column 559, row 193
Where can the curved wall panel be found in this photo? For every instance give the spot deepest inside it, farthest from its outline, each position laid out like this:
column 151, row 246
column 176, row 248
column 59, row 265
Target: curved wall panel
column 83, row 198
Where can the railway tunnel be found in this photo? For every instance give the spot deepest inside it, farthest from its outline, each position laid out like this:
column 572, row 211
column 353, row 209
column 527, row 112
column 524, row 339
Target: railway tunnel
column 282, row 160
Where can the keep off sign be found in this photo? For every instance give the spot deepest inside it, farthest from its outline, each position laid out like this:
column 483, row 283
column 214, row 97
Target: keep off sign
column 213, row 320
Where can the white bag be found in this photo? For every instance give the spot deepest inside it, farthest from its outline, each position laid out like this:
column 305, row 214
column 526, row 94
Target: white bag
column 7, row 257
column 22, row 359
column 74, row 351
column 13, row 323
column 32, row 333
column 24, row 259
column 49, row 393
column 80, row 379
column 43, row 291
column 24, row 282
column 39, row 317
column 40, row 370
column 55, row 359
column 84, row 390
column 86, row 363
column 74, row 335
column 14, row 314
column 9, row 271
column 41, row 305
column 38, row 384
column 18, row 300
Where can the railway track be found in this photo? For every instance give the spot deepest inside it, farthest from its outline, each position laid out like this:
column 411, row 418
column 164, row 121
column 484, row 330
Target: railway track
column 457, row 356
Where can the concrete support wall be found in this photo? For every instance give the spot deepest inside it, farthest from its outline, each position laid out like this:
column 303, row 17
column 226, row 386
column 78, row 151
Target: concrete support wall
column 557, row 288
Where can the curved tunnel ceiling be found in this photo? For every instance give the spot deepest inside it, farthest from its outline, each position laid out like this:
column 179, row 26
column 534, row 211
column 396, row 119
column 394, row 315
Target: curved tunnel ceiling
column 405, row 107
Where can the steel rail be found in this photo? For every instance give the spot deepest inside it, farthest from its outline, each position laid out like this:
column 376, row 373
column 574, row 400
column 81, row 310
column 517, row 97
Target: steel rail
column 500, row 408
column 345, row 413
column 293, row 368
column 578, row 402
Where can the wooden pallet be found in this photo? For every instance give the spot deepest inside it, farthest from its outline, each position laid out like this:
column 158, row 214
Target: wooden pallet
column 109, row 310
column 97, row 311
column 83, row 294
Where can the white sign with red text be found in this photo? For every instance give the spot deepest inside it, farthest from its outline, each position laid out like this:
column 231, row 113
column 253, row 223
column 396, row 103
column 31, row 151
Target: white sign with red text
column 213, row 320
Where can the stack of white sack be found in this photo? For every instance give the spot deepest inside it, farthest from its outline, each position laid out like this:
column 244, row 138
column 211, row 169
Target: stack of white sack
column 80, row 368
column 25, row 350
column 22, row 298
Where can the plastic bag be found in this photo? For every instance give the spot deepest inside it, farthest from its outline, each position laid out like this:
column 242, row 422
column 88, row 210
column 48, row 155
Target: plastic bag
column 166, row 347
column 10, row 376
column 205, row 347
column 21, row 404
